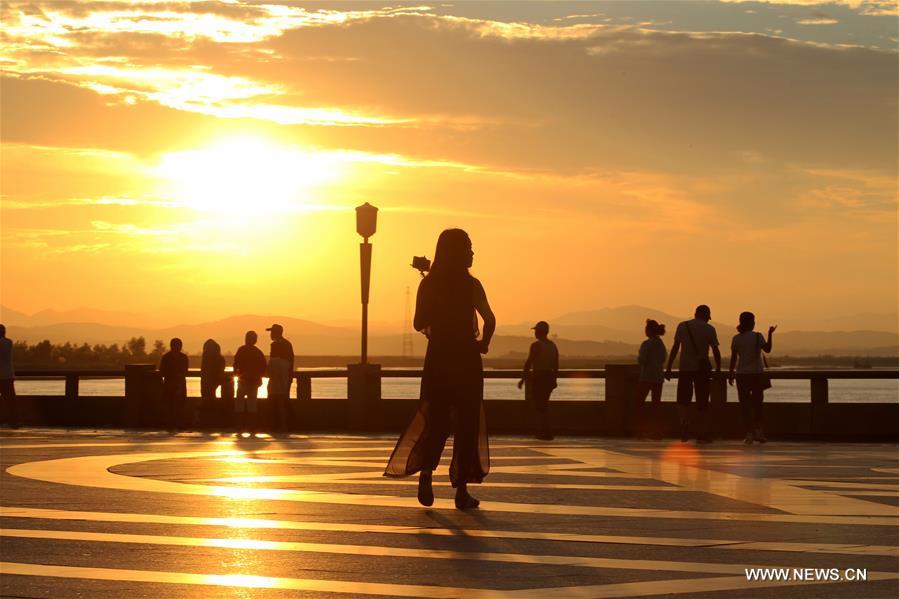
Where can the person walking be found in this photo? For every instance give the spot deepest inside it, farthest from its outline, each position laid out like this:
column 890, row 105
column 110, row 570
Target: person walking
column 747, row 363
column 280, row 377
column 212, row 376
column 173, row 368
column 540, row 374
column 9, row 409
column 696, row 336
column 452, row 383
column 651, row 359
column 249, row 368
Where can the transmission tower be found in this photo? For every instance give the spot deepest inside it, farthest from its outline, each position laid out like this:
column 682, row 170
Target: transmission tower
column 407, row 327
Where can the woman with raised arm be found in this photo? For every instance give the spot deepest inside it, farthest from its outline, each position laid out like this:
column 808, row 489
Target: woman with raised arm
column 747, row 362
column 452, row 383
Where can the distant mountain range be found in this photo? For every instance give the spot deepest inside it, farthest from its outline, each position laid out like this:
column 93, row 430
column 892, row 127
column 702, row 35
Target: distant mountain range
column 605, row 332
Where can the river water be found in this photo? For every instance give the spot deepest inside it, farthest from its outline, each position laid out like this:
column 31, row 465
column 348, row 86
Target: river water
column 840, row 390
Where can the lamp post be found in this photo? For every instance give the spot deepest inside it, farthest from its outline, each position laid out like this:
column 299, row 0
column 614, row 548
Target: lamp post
column 364, row 379
column 366, row 225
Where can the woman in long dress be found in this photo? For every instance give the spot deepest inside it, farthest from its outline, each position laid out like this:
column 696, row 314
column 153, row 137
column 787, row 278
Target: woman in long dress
column 452, row 382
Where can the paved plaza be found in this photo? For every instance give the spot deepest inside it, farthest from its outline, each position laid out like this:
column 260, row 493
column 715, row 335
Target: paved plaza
column 121, row 514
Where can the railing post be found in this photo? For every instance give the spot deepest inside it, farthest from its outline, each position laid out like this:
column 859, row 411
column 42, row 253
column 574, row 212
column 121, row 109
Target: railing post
column 621, row 384
column 71, row 387
column 364, row 394
column 304, row 386
column 718, row 389
column 228, row 388
column 819, row 390
column 143, row 392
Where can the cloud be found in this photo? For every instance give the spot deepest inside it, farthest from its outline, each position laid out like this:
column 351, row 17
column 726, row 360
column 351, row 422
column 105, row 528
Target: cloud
column 869, row 7
column 222, row 22
column 851, row 194
column 818, row 21
column 16, row 204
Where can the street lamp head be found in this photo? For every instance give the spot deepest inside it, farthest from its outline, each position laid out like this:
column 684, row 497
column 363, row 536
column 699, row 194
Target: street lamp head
column 366, row 220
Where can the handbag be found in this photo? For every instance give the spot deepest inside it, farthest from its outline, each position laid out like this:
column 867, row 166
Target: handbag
column 704, row 365
column 766, row 378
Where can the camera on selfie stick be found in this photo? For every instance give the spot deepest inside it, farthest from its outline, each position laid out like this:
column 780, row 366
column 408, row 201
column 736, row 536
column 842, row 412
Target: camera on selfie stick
column 421, row 264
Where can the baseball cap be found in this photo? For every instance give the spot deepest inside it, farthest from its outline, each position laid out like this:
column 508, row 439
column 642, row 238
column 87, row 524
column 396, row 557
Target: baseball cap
column 276, row 327
column 541, row 326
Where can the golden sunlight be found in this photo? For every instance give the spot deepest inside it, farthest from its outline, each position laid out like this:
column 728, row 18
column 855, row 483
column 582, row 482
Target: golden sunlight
column 246, row 177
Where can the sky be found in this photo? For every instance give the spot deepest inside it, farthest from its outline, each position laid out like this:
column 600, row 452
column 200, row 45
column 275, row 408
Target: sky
column 204, row 159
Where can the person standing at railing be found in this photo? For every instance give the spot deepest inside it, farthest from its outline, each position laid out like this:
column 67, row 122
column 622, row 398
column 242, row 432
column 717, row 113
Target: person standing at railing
column 747, row 362
column 212, row 376
column 280, row 376
column 695, row 370
column 249, row 368
column 452, row 382
column 651, row 359
column 540, row 374
column 8, row 407
column 173, row 368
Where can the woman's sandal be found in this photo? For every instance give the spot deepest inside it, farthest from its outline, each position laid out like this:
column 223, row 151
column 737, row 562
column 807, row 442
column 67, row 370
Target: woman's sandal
column 466, row 502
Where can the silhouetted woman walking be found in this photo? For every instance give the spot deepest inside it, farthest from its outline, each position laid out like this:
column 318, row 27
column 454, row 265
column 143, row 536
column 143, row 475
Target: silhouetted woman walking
column 452, row 383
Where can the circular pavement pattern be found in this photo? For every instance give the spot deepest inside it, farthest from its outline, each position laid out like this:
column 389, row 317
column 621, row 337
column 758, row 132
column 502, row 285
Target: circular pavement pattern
column 120, row 514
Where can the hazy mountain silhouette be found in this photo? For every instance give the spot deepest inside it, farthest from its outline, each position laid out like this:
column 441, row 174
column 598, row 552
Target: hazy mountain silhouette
column 619, row 317
column 113, row 318
column 864, row 321
column 503, row 345
column 8, row 316
column 619, row 324
column 604, row 332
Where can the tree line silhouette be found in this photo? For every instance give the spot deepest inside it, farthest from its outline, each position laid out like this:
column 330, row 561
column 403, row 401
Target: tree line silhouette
column 72, row 355
column 45, row 354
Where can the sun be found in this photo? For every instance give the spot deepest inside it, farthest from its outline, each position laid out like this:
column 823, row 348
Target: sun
column 246, row 177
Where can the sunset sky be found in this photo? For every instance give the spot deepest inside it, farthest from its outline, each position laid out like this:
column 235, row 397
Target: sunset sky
column 204, row 159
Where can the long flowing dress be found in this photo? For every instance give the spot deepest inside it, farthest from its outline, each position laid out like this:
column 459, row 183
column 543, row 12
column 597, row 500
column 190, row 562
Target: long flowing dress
column 452, row 386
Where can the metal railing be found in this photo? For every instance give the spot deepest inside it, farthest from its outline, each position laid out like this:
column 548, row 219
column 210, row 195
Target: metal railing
column 818, row 379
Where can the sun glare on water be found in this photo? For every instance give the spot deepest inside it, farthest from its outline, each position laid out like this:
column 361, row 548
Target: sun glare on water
column 246, row 177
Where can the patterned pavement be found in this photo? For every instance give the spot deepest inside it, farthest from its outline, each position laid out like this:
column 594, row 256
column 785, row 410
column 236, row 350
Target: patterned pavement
column 118, row 514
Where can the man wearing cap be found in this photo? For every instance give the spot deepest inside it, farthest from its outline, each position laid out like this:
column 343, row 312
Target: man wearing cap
column 543, row 358
column 280, row 376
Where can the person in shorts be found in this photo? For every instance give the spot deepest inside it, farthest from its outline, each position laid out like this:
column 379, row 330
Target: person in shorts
column 697, row 337
column 541, row 371
column 747, row 363
column 249, row 368
column 651, row 359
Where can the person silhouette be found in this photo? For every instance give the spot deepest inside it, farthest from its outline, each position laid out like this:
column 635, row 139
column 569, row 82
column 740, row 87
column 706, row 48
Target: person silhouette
column 695, row 370
column 212, row 376
column 173, row 367
column 8, row 408
column 249, row 367
column 543, row 358
column 651, row 359
column 452, row 383
column 280, row 376
column 747, row 362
